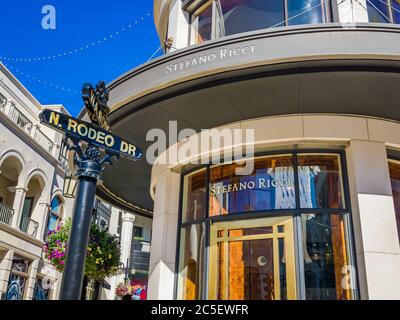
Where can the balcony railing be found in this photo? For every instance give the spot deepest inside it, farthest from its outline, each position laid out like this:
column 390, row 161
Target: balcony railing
column 6, row 214
column 140, row 255
column 29, row 226
column 21, row 120
column 141, row 245
column 10, row 110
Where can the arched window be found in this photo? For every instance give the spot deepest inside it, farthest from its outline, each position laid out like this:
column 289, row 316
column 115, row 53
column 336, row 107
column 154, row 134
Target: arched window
column 55, row 214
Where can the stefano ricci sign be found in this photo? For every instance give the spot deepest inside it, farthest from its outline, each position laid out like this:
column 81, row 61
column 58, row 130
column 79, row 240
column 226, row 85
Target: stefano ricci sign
column 220, row 55
column 258, row 184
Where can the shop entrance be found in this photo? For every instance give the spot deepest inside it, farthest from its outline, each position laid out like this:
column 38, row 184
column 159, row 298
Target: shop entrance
column 252, row 260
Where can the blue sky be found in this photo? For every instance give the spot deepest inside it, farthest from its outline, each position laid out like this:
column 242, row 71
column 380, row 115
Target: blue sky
column 78, row 24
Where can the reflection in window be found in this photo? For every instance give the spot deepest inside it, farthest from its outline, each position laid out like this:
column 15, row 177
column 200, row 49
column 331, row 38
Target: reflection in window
column 306, row 12
column 194, row 204
column 55, row 214
column 320, row 181
column 329, row 273
column 396, row 10
column 192, row 243
column 42, row 289
column 378, row 11
column 394, row 170
column 203, row 25
column 270, row 186
column 236, row 16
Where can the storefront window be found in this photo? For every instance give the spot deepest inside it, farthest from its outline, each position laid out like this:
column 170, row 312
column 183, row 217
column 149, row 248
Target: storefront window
column 236, row 16
column 306, row 12
column 251, row 254
column 328, row 271
column 378, row 11
column 203, row 24
column 320, row 181
column 194, row 198
column 191, row 263
column 396, row 10
column 269, row 187
column 394, row 170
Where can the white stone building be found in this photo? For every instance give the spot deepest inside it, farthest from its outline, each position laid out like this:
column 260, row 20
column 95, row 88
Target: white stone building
column 31, row 192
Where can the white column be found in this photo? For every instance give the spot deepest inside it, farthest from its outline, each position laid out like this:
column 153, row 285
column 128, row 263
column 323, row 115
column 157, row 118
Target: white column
column 374, row 221
column 163, row 243
column 5, row 268
column 43, row 209
column 19, row 198
column 30, row 283
column 128, row 220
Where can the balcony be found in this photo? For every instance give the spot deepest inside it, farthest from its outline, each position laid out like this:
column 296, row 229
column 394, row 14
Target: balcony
column 6, row 214
column 16, row 116
column 29, row 226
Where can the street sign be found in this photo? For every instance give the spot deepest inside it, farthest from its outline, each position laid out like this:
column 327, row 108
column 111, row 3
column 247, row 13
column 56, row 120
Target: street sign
column 96, row 104
column 90, row 133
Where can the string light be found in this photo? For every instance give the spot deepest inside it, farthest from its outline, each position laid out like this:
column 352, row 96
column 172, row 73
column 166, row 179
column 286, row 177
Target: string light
column 41, row 81
column 77, row 50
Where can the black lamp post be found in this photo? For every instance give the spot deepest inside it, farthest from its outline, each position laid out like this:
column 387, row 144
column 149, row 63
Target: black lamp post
column 70, row 184
column 86, row 140
column 90, row 165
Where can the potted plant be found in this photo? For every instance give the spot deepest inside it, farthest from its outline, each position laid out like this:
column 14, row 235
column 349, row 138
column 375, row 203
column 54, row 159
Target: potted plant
column 102, row 255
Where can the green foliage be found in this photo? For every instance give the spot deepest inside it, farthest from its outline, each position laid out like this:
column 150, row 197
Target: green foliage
column 102, row 255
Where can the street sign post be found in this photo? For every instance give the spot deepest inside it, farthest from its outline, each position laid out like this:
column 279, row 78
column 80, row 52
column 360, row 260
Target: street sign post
column 94, row 147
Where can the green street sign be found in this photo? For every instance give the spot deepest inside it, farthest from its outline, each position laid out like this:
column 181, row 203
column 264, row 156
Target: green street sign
column 90, row 133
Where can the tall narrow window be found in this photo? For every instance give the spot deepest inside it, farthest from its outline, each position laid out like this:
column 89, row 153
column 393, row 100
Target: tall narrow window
column 396, row 10
column 320, row 181
column 394, row 171
column 203, row 24
column 55, row 214
column 329, row 272
column 378, row 11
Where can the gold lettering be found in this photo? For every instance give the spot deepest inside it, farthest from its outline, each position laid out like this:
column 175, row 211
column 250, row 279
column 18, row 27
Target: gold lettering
column 124, row 147
column 82, row 129
column 109, row 140
column 54, row 118
column 132, row 149
column 72, row 124
column 100, row 137
column 92, row 134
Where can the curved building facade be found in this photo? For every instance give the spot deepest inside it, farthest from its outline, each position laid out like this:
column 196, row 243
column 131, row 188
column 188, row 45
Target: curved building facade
column 310, row 87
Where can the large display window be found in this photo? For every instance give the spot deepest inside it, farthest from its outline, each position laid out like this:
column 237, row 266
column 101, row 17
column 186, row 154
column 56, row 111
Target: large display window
column 219, row 18
column 281, row 232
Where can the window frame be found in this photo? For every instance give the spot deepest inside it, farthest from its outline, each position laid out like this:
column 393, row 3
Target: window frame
column 295, row 213
column 59, row 215
column 330, row 16
column 394, row 159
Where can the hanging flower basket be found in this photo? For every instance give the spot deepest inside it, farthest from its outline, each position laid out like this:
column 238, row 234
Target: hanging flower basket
column 102, row 255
